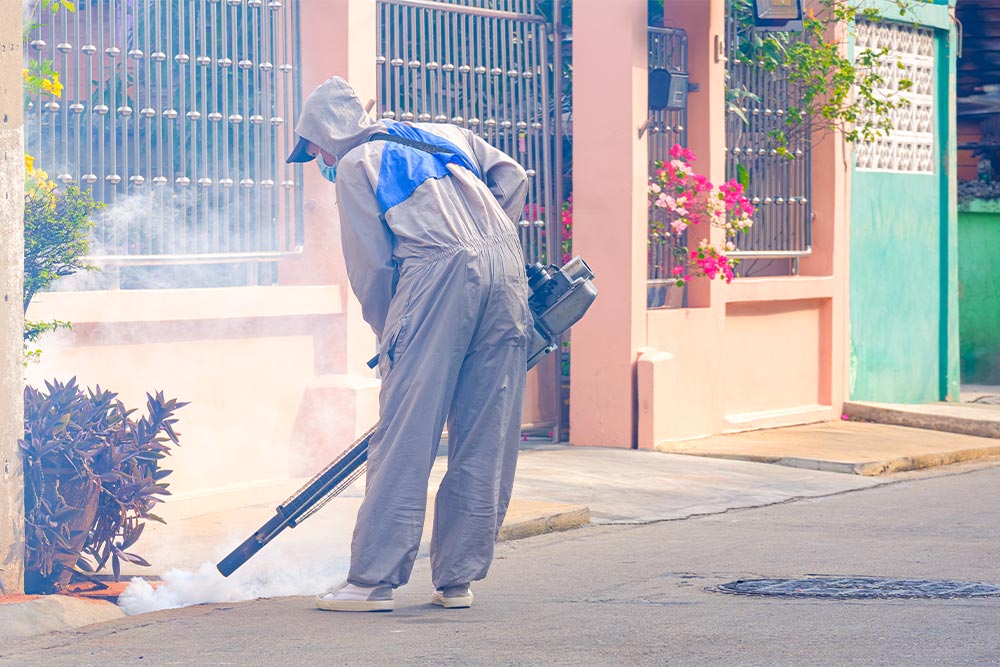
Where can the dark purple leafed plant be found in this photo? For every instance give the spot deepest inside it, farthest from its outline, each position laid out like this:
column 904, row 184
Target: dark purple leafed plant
column 91, row 478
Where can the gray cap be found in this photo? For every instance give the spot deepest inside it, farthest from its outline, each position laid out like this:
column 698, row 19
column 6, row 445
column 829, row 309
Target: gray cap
column 301, row 152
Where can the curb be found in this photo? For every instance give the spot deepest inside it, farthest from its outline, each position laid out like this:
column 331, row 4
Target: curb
column 52, row 613
column 877, row 468
column 572, row 517
column 984, row 428
column 862, row 468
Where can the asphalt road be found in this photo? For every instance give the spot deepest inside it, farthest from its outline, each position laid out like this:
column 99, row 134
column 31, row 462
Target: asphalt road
column 634, row 595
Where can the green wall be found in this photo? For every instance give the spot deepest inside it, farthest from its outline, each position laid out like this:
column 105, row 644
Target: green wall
column 979, row 291
column 903, row 263
column 895, row 287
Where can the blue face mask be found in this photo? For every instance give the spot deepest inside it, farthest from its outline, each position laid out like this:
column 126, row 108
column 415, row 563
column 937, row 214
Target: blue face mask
column 328, row 172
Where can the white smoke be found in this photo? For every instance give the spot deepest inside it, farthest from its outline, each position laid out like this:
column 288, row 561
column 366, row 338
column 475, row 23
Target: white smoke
column 182, row 588
column 306, row 560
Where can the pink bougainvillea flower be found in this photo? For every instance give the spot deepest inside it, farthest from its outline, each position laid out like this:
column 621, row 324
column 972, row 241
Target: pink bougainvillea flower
column 681, row 168
column 679, row 152
column 678, row 198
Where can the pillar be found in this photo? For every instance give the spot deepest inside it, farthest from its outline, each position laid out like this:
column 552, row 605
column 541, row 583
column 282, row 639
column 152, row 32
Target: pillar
column 610, row 218
column 336, row 37
column 11, row 308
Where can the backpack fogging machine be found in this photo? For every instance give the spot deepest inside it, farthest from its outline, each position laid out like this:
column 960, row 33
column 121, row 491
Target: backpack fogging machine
column 559, row 298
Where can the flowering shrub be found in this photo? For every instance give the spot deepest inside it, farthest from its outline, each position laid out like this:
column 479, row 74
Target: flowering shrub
column 40, row 77
column 57, row 224
column 680, row 198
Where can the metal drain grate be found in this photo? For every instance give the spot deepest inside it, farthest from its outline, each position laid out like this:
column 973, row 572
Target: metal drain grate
column 860, row 588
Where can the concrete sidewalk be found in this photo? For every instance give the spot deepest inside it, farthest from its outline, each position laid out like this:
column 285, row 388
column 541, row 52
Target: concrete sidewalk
column 854, row 447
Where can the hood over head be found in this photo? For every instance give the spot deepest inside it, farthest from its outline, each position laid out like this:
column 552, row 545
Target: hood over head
column 333, row 118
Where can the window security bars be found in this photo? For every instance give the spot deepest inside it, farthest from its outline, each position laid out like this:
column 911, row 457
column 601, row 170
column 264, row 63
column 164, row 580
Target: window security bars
column 779, row 183
column 668, row 49
column 176, row 114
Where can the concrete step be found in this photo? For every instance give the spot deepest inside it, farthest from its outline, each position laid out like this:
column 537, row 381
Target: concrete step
column 846, row 447
column 978, row 419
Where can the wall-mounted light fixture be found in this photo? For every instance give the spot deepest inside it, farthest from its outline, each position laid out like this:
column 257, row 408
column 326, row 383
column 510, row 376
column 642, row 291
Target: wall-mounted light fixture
column 781, row 15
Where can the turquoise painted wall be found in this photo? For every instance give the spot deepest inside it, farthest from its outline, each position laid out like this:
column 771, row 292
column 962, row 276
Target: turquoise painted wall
column 903, row 259
column 979, row 291
column 895, row 287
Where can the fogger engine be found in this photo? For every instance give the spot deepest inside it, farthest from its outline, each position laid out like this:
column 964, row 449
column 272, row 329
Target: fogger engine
column 559, row 298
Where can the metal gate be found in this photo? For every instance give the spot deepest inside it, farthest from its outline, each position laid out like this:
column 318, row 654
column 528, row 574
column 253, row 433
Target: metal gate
column 487, row 65
column 483, row 65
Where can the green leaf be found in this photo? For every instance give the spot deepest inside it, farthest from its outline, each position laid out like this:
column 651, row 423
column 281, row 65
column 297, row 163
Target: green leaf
column 131, row 539
column 137, row 560
column 743, row 177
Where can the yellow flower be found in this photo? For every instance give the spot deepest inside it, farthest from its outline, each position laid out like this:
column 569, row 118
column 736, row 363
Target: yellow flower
column 26, row 74
column 29, row 163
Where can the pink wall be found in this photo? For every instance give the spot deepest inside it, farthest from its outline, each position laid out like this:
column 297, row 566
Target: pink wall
column 757, row 353
column 337, row 38
column 243, row 357
column 771, row 356
column 609, row 215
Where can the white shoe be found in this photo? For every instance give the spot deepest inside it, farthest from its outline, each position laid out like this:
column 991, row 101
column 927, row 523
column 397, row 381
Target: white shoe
column 348, row 597
column 453, row 597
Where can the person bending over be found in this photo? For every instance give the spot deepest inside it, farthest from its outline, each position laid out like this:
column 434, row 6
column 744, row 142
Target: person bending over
column 433, row 255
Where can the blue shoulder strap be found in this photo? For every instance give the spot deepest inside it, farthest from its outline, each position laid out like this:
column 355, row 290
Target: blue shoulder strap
column 411, row 157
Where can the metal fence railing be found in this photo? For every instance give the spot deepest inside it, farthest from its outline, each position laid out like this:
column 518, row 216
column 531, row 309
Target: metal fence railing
column 668, row 49
column 484, row 66
column 515, row 6
column 176, row 114
column 493, row 67
column 779, row 183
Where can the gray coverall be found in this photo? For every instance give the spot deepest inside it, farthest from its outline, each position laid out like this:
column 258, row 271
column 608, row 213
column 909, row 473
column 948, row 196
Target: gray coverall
column 433, row 256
